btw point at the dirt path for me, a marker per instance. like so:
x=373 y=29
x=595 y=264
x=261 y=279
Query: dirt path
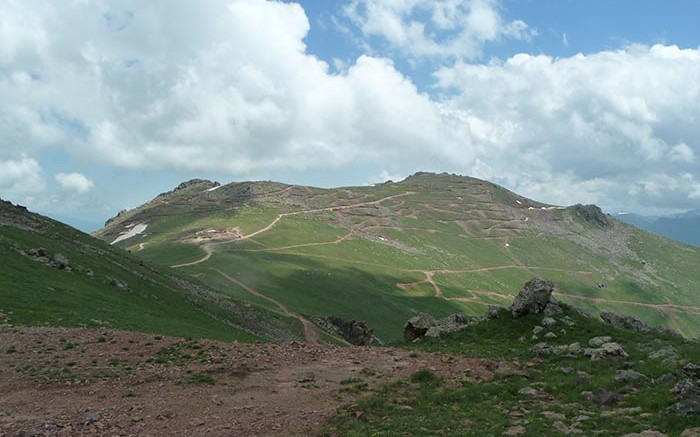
x=311 y=333
x=123 y=383
x=209 y=250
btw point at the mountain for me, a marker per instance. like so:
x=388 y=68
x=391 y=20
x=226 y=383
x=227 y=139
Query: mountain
x=683 y=227
x=436 y=243
x=55 y=275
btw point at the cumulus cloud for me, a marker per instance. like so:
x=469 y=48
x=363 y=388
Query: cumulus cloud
x=228 y=86
x=74 y=182
x=612 y=124
x=20 y=178
x=453 y=29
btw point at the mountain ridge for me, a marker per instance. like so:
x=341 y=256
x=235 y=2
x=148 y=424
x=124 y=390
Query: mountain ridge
x=443 y=241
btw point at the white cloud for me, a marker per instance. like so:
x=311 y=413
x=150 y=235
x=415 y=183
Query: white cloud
x=385 y=176
x=20 y=178
x=228 y=87
x=74 y=182
x=586 y=127
x=455 y=29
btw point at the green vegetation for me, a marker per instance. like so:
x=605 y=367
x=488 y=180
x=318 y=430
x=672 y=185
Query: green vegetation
x=534 y=394
x=365 y=252
x=97 y=285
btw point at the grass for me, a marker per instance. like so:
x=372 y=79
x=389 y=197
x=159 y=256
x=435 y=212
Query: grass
x=447 y=223
x=422 y=406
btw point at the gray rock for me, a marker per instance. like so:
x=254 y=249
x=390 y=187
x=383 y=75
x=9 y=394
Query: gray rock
x=691 y=432
x=574 y=348
x=604 y=397
x=647 y=433
x=607 y=350
x=548 y=321
x=624 y=322
x=566 y=370
x=533 y=298
x=92 y=417
x=307 y=377
x=685 y=408
x=629 y=375
x=417 y=326
x=687 y=388
x=592 y=214
x=537 y=329
x=425 y=325
x=354 y=331
x=550 y=335
x=541 y=349
x=692 y=369
x=599 y=341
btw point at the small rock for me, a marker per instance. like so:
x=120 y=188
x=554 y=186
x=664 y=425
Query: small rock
x=548 y=321
x=629 y=375
x=566 y=370
x=537 y=329
x=692 y=369
x=551 y=415
x=550 y=335
x=529 y=391
x=92 y=417
x=514 y=430
x=307 y=377
x=605 y=397
x=599 y=341
x=685 y=408
x=691 y=432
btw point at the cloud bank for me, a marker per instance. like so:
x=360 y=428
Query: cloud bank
x=230 y=87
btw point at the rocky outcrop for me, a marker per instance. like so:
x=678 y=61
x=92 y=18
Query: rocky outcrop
x=192 y=182
x=534 y=298
x=425 y=325
x=592 y=214
x=353 y=331
x=631 y=324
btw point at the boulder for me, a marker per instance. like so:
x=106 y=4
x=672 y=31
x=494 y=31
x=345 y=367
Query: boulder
x=425 y=325
x=692 y=369
x=534 y=298
x=417 y=326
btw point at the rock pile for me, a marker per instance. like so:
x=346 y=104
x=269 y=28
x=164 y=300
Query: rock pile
x=354 y=331
x=631 y=324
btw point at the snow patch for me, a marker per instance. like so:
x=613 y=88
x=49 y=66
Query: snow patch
x=214 y=188
x=134 y=231
x=519 y=202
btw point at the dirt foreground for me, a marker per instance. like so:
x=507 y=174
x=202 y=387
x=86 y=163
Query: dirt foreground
x=64 y=382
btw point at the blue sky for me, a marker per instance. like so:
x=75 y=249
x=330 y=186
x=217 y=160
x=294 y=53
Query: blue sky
x=108 y=103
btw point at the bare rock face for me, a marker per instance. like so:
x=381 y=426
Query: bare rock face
x=592 y=214
x=534 y=298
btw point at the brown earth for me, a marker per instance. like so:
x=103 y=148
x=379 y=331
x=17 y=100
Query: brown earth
x=65 y=382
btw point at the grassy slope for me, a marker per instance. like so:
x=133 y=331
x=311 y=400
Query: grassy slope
x=478 y=241
x=33 y=293
x=423 y=406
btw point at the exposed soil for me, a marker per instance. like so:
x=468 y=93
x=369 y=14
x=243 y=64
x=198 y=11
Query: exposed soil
x=64 y=382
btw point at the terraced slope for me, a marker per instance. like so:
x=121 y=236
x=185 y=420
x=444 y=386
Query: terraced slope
x=52 y=274
x=434 y=242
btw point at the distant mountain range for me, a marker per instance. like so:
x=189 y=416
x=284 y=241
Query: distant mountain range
x=683 y=227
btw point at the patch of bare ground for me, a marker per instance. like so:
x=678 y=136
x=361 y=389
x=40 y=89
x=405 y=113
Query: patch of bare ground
x=66 y=382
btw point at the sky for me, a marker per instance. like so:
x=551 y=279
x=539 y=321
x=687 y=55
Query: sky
x=106 y=104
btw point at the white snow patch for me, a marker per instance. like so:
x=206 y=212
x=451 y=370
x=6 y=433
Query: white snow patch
x=507 y=245
x=214 y=188
x=623 y=213
x=519 y=202
x=135 y=230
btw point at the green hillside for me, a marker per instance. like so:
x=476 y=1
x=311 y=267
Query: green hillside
x=55 y=275
x=437 y=243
